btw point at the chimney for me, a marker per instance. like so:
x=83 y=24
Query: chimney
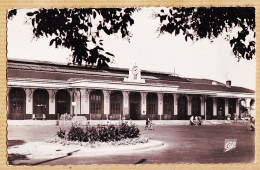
x=228 y=83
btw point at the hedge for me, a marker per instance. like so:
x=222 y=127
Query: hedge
x=101 y=133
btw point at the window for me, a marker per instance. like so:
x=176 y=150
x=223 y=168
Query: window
x=116 y=103
x=40 y=102
x=168 y=104
x=17 y=101
x=152 y=103
x=96 y=100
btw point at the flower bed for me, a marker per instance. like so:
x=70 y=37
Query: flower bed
x=101 y=133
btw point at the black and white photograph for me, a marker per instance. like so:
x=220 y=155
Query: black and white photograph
x=141 y=85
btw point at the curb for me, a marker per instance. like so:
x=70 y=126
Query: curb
x=96 y=122
x=113 y=150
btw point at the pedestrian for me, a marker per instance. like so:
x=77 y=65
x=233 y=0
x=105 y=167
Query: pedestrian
x=199 y=120
x=252 y=124
x=147 y=123
x=196 y=120
x=192 y=121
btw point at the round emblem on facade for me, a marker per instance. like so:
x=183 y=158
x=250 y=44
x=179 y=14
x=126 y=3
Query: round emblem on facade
x=135 y=70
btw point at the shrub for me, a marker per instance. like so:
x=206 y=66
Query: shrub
x=61 y=133
x=101 y=133
x=75 y=134
x=127 y=131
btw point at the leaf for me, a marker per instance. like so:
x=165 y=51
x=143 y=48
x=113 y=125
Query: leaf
x=93 y=40
x=52 y=41
x=33 y=21
x=65 y=26
x=94 y=14
x=30 y=14
x=11 y=13
x=108 y=53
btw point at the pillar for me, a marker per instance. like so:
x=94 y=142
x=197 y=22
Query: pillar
x=106 y=102
x=125 y=103
x=29 y=101
x=143 y=103
x=71 y=100
x=76 y=95
x=189 y=105
x=237 y=106
x=175 y=97
x=226 y=107
x=202 y=106
x=85 y=101
x=214 y=107
x=247 y=102
x=7 y=102
x=52 y=102
x=160 y=104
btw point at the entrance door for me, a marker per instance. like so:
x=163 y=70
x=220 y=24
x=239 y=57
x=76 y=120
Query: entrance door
x=209 y=108
x=62 y=107
x=195 y=106
x=62 y=102
x=135 y=105
x=182 y=108
x=40 y=103
x=17 y=104
x=221 y=108
x=134 y=113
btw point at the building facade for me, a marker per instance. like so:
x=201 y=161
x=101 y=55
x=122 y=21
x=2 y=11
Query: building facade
x=47 y=90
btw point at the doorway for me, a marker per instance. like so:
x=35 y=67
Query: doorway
x=135 y=105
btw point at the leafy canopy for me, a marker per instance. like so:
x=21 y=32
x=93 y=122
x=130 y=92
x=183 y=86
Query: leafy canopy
x=199 y=23
x=79 y=29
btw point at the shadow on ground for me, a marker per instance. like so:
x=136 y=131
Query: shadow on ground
x=14 y=142
x=141 y=161
x=12 y=157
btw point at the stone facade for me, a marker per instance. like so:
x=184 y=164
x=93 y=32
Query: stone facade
x=80 y=102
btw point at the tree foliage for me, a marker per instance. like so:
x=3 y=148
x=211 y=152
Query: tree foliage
x=11 y=13
x=80 y=29
x=199 y=23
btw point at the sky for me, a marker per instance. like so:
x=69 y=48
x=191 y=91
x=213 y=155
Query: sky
x=164 y=53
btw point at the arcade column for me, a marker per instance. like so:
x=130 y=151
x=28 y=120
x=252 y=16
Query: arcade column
x=106 y=102
x=125 y=103
x=175 y=97
x=189 y=105
x=85 y=101
x=29 y=101
x=143 y=103
x=160 y=105
x=52 y=94
x=214 y=107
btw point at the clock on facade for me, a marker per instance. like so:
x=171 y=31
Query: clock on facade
x=135 y=71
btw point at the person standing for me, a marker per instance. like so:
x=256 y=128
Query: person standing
x=196 y=120
x=147 y=123
x=192 y=121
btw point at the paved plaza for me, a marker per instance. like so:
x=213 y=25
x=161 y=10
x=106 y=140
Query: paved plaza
x=183 y=144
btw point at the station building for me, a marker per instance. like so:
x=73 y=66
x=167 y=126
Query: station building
x=48 y=90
